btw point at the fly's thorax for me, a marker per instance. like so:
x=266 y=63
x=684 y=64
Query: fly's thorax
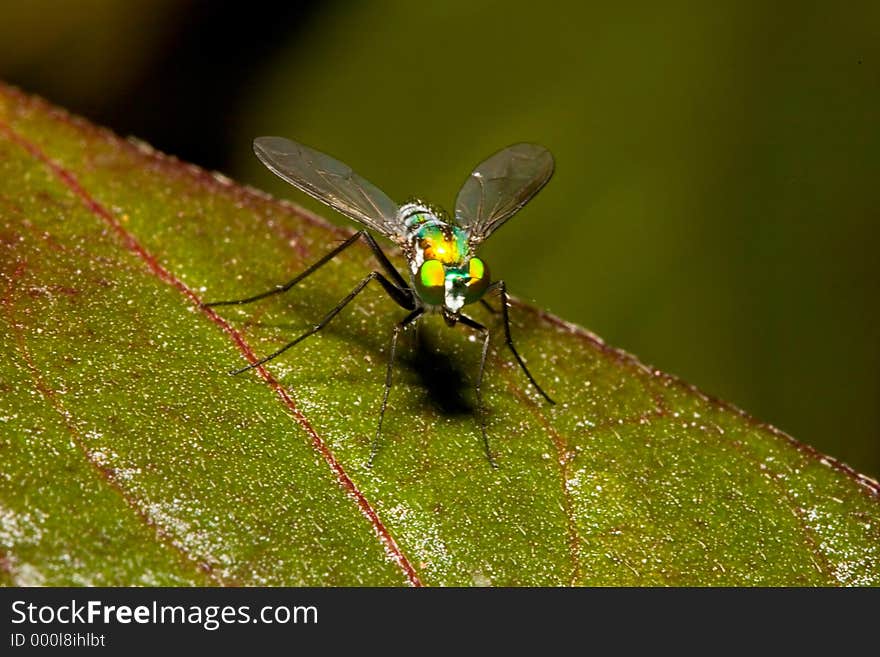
x=429 y=235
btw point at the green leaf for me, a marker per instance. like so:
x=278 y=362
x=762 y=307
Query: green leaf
x=129 y=456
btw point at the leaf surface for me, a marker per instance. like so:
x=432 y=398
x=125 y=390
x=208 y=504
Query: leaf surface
x=129 y=456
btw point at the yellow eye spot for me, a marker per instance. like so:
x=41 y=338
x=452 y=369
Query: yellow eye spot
x=478 y=282
x=431 y=273
x=476 y=270
x=431 y=282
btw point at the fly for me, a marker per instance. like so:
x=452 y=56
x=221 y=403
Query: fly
x=444 y=272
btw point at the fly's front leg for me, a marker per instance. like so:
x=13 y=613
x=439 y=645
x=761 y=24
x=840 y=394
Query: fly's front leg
x=502 y=289
x=402 y=325
x=481 y=410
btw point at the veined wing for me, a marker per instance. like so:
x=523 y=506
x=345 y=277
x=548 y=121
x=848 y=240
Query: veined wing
x=331 y=182
x=500 y=186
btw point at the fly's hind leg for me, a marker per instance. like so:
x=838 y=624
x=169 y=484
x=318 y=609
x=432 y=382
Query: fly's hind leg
x=389 y=269
x=488 y=306
x=404 y=298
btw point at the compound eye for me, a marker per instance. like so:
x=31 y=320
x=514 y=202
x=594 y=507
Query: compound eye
x=431 y=282
x=478 y=275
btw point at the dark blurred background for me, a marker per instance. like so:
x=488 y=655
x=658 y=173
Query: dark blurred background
x=715 y=206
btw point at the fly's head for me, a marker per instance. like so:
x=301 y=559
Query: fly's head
x=451 y=287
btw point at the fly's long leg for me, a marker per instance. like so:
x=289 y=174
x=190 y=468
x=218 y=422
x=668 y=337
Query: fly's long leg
x=502 y=289
x=481 y=410
x=404 y=323
x=402 y=297
x=278 y=289
x=488 y=306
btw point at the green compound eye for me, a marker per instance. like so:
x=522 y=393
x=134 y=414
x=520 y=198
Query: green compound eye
x=479 y=280
x=430 y=282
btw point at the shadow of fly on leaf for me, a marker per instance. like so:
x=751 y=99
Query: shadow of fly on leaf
x=445 y=273
x=441 y=376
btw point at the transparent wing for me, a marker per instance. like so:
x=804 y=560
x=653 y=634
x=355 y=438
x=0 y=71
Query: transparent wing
x=331 y=182
x=500 y=186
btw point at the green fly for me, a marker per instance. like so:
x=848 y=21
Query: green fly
x=444 y=272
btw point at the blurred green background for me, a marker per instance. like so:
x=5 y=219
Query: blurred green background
x=715 y=206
